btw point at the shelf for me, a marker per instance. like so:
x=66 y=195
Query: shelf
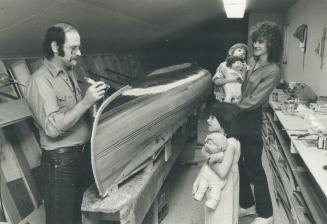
x=296 y=178
x=314 y=201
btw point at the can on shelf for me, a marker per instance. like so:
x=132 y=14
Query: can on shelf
x=274 y=97
x=321 y=141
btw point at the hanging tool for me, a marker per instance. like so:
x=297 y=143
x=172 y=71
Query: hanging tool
x=322 y=48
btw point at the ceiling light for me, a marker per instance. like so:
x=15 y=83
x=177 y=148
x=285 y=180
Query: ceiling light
x=234 y=8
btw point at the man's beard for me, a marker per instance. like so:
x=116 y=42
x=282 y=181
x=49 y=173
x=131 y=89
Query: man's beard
x=72 y=62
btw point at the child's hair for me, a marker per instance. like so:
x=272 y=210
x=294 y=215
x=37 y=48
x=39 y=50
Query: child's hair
x=231 y=59
x=227 y=116
x=237 y=45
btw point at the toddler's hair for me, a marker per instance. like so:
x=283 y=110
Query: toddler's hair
x=238 y=45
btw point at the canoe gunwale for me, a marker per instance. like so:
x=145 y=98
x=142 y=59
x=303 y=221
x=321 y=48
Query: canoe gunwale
x=94 y=128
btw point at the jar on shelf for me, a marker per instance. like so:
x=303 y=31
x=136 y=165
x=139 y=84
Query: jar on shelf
x=321 y=140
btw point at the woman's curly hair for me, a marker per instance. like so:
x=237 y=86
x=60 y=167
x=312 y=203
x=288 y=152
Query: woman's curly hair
x=272 y=33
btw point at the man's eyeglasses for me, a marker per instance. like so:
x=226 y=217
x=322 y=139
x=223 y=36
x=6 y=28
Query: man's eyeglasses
x=74 y=49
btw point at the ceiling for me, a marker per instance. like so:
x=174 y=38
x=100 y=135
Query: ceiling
x=109 y=24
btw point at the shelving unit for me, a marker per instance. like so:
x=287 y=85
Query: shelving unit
x=298 y=176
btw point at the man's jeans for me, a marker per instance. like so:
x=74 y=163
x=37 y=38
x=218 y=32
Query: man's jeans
x=68 y=173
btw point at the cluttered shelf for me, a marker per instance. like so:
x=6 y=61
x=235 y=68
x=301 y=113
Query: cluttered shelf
x=296 y=128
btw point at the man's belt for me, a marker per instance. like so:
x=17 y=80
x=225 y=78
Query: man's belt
x=75 y=148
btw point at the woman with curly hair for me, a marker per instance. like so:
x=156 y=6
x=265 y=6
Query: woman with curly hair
x=263 y=76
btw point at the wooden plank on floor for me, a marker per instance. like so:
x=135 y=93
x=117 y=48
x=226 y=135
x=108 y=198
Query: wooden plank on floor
x=8 y=201
x=2 y=212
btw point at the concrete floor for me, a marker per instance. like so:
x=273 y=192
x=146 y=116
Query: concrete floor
x=183 y=209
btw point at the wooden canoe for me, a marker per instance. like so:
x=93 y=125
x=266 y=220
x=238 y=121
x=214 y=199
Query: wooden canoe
x=132 y=121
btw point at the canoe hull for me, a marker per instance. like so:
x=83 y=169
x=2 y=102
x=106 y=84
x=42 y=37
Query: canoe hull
x=122 y=138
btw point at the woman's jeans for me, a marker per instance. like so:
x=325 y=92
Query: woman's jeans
x=68 y=173
x=250 y=165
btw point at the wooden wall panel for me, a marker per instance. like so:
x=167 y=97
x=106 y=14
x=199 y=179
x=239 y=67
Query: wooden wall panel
x=21 y=73
x=34 y=64
x=7 y=92
x=13 y=111
x=19 y=200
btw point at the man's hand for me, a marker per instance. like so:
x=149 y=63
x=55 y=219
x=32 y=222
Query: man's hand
x=94 y=93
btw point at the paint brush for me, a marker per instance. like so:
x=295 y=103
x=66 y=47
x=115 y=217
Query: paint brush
x=91 y=81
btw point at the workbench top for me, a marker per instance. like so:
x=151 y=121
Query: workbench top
x=315 y=159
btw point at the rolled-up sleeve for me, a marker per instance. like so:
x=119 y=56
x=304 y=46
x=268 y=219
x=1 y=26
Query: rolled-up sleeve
x=262 y=91
x=42 y=101
x=221 y=70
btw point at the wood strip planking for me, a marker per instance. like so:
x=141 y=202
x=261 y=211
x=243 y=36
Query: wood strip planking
x=140 y=127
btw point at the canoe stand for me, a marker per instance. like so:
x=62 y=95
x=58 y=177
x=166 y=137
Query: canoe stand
x=136 y=196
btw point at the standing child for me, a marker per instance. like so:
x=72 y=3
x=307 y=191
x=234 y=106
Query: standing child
x=220 y=78
x=223 y=119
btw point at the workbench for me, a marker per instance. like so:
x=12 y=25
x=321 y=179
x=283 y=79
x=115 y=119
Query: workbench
x=300 y=180
x=133 y=199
